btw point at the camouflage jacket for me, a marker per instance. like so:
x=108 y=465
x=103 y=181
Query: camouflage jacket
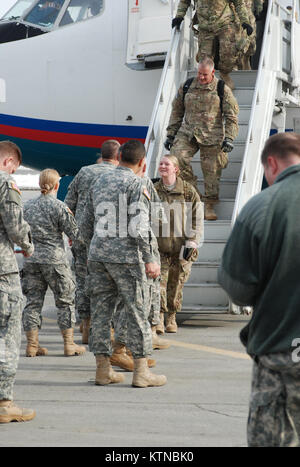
x=213 y=15
x=79 y=188
x=184 y=211
x=49 y=219
x=156 y=213
x=116 y=220
x=13 y=228
x=198 y=114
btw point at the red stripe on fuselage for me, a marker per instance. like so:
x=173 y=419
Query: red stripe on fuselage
x=88 y=141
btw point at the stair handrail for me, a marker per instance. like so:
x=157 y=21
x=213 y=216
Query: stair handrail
x=273 y=75
x=174 y=72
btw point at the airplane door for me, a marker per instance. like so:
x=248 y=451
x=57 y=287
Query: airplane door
x=149 y=28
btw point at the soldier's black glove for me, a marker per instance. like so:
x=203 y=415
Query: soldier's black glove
x=248 y=28
x=227 y=145
x=176 y=22
x=169 y=142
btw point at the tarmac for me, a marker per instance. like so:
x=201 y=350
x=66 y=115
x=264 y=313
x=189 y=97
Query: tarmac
x=204 y=403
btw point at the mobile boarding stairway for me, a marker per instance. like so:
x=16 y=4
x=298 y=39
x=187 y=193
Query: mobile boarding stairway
x=265 y=97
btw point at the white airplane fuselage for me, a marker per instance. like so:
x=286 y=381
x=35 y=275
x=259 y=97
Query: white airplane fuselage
x=70 y=89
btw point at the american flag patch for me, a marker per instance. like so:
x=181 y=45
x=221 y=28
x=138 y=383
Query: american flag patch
x=147 y=194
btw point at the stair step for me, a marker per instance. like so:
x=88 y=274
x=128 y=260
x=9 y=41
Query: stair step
x=244 y=96
x=243 y=131
x=244 y=114
x=224 y=208
x=203 y=272
x=211 y=250
x=228 y=187
x=216 y=230
x=204 y=295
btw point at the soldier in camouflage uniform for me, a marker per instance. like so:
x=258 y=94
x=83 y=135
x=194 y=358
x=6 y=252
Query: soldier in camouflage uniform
x=216 y=20
x=197 y=122
x=76 y=198
x=120 y=355
x=13 y=230
x=120 y=259
x=49 y=219
x=178 y=247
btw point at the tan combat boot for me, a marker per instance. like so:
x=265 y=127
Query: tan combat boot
x=70 y=348
x=209 y=212
x=227 y=79
x=33 y=349
x=142 y=376
x=151 y=362
x=120 y=357
x=104 y=373
x=160 y=328
x=11 y=413
x=86 y=330
x=157 y=342
x=171 y=325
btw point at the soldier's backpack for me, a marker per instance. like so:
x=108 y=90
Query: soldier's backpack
x=220 y=90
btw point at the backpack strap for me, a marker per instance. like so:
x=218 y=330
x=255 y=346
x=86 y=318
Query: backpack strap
x=186 y=86
x=220 y=89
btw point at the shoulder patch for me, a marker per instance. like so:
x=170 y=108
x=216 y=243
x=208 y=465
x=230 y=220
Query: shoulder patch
x=13 y=186
x=147 y=194
x=70 y=212
x=14 y=194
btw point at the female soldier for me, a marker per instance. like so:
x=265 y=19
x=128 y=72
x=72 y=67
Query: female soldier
x=178 y=246
x=49 y=218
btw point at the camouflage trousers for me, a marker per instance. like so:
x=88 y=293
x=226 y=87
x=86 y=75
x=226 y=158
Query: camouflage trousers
x=229 y=47
x=250 y=47
x=11 y=304
x=120 y=315
x=107 y=283
x=212 y=161
x=274 y=415
x=174 y=273
x=82 y=301
x=35 y=281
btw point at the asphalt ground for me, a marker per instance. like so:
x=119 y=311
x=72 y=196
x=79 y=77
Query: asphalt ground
x=204 y=403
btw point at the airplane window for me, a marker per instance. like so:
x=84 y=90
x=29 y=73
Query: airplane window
x=45 y=13
x=18 y=9
x=80 y=10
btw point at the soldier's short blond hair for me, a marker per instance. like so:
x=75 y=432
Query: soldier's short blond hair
x=174 y=161
x=48 y=180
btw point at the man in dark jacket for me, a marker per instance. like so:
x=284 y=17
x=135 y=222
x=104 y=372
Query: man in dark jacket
x=261 y=267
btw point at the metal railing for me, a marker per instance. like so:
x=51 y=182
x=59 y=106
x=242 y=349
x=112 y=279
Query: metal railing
x=180 y=53
x=270 y=72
